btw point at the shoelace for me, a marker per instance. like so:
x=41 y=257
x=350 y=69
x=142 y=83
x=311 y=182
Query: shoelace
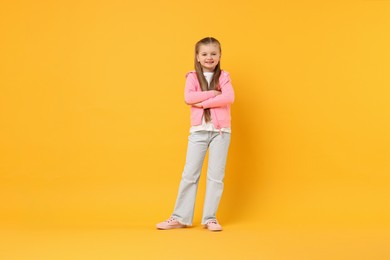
x=170 y=219
x=212 y=222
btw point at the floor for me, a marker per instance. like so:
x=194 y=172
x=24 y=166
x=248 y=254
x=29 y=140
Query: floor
x=237 y=241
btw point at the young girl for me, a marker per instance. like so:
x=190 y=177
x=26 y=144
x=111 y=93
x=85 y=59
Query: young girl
x=209 y=93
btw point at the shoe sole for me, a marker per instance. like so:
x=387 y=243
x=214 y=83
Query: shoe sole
x=213 y=230
x=168 y=228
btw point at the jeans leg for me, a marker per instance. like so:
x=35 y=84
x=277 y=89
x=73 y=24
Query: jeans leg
x=218 y=151
x=185 y=202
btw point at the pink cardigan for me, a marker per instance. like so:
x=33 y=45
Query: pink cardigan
x=219 y=105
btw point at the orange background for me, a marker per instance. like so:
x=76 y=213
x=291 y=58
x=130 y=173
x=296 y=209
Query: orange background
x=93 y=126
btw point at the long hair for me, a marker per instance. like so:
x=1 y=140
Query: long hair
x=214 y=83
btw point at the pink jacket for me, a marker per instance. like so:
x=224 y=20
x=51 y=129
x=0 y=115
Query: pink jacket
x=219 y=105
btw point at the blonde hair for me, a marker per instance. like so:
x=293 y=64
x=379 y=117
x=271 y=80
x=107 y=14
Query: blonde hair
x=214 y=83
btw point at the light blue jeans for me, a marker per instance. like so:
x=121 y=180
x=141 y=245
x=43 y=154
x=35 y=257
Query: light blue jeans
x=198 y=143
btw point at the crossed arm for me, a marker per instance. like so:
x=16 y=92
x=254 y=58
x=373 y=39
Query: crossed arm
x=199 y=104
x=211 y=98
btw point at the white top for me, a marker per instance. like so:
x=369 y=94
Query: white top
x=209 y=125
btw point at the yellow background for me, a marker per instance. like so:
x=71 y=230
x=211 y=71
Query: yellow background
x=93 y=126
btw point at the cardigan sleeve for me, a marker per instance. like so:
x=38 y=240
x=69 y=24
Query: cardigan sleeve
x=191 y=94
x=226 y=98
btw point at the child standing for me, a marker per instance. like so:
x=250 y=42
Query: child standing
x=209 y=93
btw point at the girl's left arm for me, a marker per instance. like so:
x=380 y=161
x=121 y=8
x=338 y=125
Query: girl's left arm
x=226 y=98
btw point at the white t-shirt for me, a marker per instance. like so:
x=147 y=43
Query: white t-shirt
x=209 y=125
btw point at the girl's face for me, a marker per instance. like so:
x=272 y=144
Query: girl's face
x=208 y=56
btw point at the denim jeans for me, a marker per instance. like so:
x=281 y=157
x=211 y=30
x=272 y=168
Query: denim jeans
x=198 y=143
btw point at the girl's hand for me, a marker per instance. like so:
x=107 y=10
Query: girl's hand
x=198 y=105
x=216 y=92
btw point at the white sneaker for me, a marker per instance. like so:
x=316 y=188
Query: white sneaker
x=213 y=225
x=171 y=223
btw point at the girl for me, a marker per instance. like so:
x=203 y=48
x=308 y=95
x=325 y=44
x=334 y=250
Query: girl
x=209 y=93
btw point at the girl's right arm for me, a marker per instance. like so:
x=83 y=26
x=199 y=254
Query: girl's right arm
x=192 y=96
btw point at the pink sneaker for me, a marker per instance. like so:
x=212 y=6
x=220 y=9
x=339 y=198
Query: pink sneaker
x=213 y=225
x=171 y=223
